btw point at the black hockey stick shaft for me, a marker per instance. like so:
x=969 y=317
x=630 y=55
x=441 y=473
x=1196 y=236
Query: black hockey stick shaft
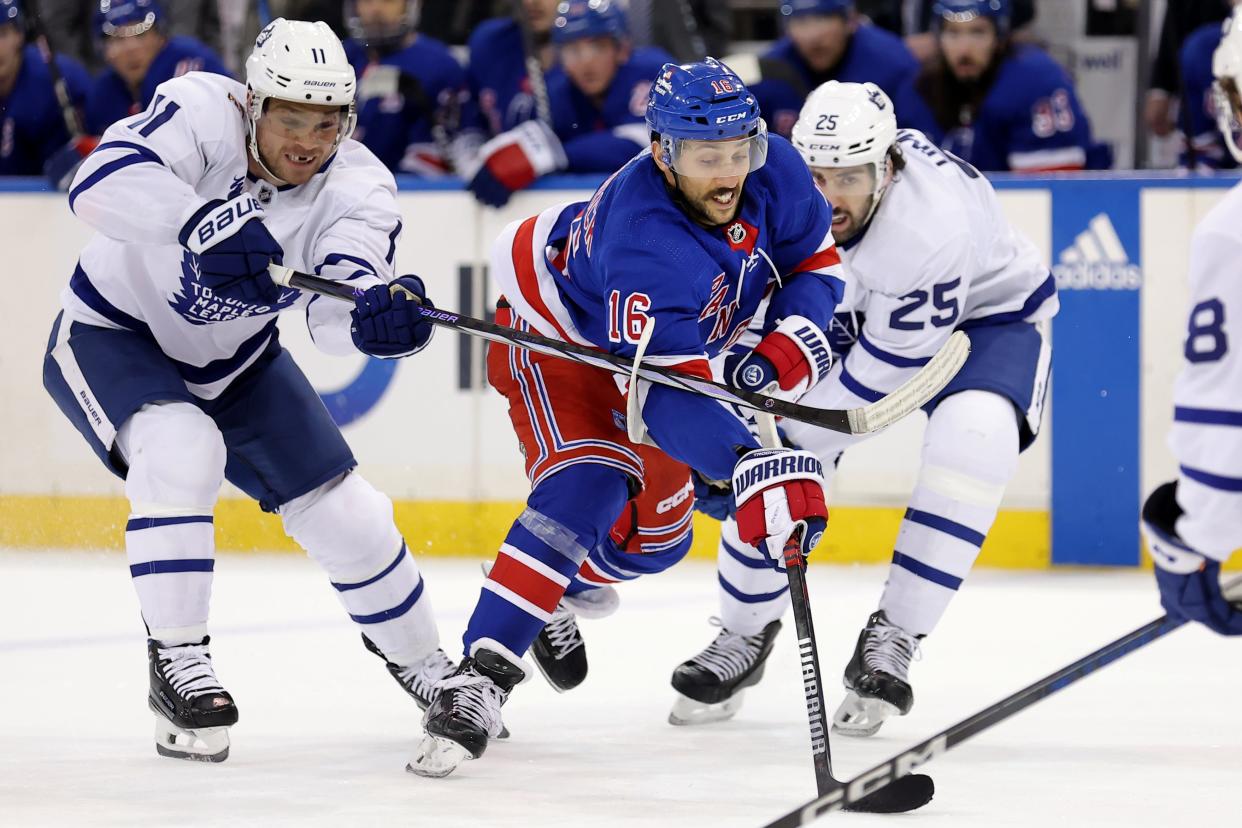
x=534 y=66
x=69 y=112
x=875 y=778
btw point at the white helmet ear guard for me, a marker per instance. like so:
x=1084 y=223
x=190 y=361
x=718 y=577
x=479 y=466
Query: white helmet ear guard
x=847 y=125
x=299 y=62
x=1227 y=90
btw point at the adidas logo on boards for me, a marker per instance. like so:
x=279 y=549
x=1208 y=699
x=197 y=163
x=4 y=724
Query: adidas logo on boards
x=1097 y=261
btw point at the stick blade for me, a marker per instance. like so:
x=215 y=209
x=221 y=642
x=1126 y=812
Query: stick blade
x=905 y=793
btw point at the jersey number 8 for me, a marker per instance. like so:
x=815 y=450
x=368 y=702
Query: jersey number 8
x=1205 y=338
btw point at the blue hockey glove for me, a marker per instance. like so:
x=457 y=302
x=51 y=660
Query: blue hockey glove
x=234 y=250
x=386 y=321
x=1189 y=583
x=713 y=498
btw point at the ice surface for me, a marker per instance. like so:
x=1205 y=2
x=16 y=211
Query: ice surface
x=1153 y=740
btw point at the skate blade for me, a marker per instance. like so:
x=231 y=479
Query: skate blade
x=437 y=757
x=205 y=744
x=687 y=712
x=860 y=717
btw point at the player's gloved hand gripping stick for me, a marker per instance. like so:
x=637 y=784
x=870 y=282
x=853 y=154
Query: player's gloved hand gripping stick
x=916 y=392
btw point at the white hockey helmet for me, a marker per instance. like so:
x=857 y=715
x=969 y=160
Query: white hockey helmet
x=848 y=125
x=1227 y=90
x=300 y=62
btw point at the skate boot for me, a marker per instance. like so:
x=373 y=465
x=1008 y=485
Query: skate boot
x=711 y=684
x=419 y=680
x=559 y=651
x=193 y=712
x=466 y=714
x=877 y=678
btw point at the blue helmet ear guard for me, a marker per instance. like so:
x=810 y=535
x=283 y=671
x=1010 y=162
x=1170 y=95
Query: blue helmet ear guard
x=960 y=11
x=704 y=101
x=578 y=19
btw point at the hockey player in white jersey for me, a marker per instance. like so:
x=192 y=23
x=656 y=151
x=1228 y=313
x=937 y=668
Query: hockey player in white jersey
x=166 y=356
x=930 y=252
x=1194 y=523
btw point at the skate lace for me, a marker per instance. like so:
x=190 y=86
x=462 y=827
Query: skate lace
x=730 y=654
x=477 y=698
x=188 y=669
x=423 y=676
x=562 y=632
x=890 y=649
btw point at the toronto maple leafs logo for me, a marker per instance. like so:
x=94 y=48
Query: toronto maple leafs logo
x=199 y=305
x=877 y=98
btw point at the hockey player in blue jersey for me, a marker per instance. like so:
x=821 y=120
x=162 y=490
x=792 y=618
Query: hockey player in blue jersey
x=32 y=126
x=598 y=97
x=167 y=359
x=1193 y=523
x=1205 y=147
x=929 y=251
x=499 y=82
x=825 y=40
x=412 y=94
x=672 y=256
x=140 y=57
x=996 y=104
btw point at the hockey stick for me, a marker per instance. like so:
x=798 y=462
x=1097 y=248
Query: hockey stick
x=916 y=392
x=889 y=773
x=69 y=112
x=905 y=793
x=534 y=68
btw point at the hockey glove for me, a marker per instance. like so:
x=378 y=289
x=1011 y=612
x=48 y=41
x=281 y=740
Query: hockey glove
x=61 y=166
x=785 y=364
x=1189 y=583
x=386 y=322
x=779 y=494
x=713 y=498
x=234 y=249
x=514 y=159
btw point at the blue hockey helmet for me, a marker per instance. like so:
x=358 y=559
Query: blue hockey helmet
x=796 y=8
x=578 y=19
x=11 y=14
x=706 y=101
x=127 y=18
x=960 y=11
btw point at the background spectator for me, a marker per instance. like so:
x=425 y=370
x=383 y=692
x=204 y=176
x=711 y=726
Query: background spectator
x=69 y=28
x=687 y=29
x=32 y=126
x=412 y=93
x=826 y=40
x=497 y=69
x=140 y=56
x=1204 y=146
x=1181 y=17
x=996 y=104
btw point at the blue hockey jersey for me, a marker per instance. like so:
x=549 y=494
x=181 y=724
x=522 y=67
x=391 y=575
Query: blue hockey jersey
x=110 y=100
x=602 y=138
x=1209 y=152
x=33 y=127
x=497 y=75
x=597 y=273
x=873 y=54
x=411 y=104
x=1029 y=121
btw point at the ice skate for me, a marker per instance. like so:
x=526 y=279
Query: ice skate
x=711 y=685
x=559 y=651
x=877 y=678
x=418 y=680
x=193 y=712
x=466 y=713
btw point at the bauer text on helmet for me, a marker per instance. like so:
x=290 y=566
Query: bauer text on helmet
x=845 y=133
x=300 y=99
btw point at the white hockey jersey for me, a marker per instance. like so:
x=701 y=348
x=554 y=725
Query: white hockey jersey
x=938 y=253
x=1206 y=437
x=153 y=170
